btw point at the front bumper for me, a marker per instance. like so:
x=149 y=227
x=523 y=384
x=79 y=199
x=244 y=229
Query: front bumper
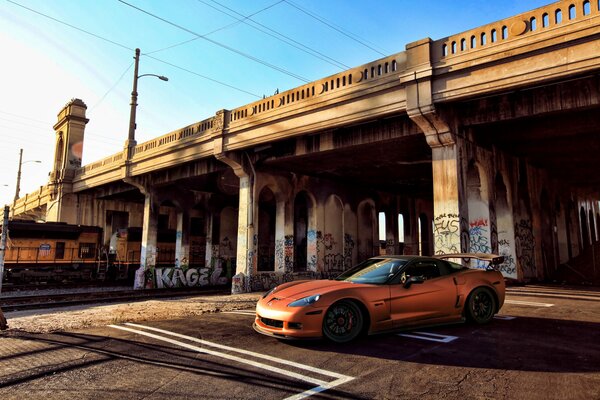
x=288 y=322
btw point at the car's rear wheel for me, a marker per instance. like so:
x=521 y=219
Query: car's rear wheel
x=343 y=322
x=481 y=306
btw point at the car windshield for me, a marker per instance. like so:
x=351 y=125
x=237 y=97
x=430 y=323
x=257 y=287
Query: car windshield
x=374 y=271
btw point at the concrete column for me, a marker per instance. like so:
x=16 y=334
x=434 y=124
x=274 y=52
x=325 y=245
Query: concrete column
x=182 y=239
x=282 y=248
x=246 y=240
x=450 y=226
x=149 y=239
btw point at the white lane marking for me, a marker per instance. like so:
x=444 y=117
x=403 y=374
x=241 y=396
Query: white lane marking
x=322 y=385
x=504 y=317
x=432 y=337
x=241 y=312
x=528 y=303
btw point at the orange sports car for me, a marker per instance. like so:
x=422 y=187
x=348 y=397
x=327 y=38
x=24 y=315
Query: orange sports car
x=382 y=294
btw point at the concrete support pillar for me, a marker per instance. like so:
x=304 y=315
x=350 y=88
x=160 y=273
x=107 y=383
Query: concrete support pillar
x=182 y=239
x=149 y=239
x=282 y=247
x=246 y=239
x=450 y=226
x=208 y=257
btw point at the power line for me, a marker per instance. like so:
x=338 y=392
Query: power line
x=333 y=26
x=224 y=46
x=278 y=35
x=211 y=32
x=111 y=89
x=128 y=48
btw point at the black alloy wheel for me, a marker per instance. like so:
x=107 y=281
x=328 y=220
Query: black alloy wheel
x=343 y=322
x=481 y=306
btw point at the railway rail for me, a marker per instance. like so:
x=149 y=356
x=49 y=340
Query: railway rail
x=49 y=300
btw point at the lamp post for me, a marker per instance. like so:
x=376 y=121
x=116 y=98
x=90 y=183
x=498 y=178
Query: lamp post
x=130 y=143
x=21 y=162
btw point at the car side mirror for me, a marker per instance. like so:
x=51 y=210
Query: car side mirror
x=413 y=279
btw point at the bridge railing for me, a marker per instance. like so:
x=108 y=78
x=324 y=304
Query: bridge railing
x=189 y=132
x=543 y=18
x=385 y=68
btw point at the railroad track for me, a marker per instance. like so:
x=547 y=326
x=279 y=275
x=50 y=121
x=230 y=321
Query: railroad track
x=43 y=301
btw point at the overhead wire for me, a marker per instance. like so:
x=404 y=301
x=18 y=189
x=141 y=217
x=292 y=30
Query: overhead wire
x=211 y=32
x=333 y=26
x=131 y=49
x=278 y=35
x=219 y=44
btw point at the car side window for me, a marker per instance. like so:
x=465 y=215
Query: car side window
x=425 y=269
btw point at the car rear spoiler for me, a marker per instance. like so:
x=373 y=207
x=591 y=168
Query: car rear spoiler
x=493 y=259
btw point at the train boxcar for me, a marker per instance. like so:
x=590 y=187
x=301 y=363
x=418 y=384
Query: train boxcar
x=50 y=251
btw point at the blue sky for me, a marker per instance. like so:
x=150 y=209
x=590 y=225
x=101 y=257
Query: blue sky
x=46 y=61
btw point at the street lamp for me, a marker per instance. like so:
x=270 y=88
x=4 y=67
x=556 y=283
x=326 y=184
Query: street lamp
x=21 y=162
x=131 y=137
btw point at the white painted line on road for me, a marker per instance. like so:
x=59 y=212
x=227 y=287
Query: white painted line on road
x=322 y=385
x=504 y=317
x=528 y=303
x=432 y=337
x=241 y=312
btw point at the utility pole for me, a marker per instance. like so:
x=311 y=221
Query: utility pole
x=3 y=324
x=19 y=176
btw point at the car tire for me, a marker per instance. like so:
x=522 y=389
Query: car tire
x=481 y=306
x=343 y=322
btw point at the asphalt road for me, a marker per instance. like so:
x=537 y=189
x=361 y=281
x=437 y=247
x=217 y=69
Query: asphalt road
x=545 y=344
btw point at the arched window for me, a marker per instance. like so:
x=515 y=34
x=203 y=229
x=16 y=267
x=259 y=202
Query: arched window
x=473 y=42
x=494 y=36
x=572 y=11
x=463 y=44
x=545 y=20
x=453 y=47
x=394 y=66
x=483 y=39
x=400 y=228
x=444 y=50
x=504 y=32
x=558 y=16
x=533 y=24
x=586 y=7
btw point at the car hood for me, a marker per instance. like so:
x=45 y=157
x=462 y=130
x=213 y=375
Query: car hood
x=309 y=288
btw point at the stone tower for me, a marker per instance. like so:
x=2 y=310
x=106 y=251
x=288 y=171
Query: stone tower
x=67 y=159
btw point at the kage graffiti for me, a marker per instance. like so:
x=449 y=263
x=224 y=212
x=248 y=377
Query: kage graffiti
x=181 y=277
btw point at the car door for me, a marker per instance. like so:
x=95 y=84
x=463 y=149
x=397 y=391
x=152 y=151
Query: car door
x=433 y=299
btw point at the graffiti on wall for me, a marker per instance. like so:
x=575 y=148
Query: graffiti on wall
x=478 y=240
x=288 y=253
x=348 y=250
x=446 y=229
x=508 y=266
x=525 y=245
x=311 y=245
x=188 y=277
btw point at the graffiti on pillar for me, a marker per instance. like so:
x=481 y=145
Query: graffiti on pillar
x=189 y=277
x=279 y=253
x=328 y=241
x=508 y=266
x=525 y=245
x=311 y=248
x=390 y=246
x=289 y=253
x=493 y=230
x=446 y=229
x=478 y=240
x=348 y=250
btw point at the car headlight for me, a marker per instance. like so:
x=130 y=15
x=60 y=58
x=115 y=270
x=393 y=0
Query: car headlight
x=269 y=292
x=306 y=301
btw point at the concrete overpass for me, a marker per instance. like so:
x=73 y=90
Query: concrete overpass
x=486 y=140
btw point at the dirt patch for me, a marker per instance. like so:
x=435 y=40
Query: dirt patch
x=77 y=317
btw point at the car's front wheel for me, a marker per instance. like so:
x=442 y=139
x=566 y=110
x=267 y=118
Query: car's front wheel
x=481 y=306
x=343 y=322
